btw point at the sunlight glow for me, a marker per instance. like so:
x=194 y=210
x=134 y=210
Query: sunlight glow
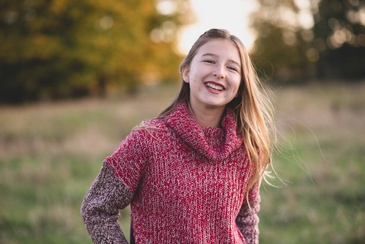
x=232 y=15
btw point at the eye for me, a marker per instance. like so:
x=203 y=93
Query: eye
x=209 y=61
x=233 y=68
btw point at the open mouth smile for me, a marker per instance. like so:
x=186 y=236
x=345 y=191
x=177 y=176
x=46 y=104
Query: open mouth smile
x=216 y=87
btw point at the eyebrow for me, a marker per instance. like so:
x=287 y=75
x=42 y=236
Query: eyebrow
x=214 y=55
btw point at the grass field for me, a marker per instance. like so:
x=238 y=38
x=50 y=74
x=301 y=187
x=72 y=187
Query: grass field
x=51 y=153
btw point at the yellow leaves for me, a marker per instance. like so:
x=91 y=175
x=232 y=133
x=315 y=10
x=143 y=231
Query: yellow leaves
x=81 y=41
x=58 y=6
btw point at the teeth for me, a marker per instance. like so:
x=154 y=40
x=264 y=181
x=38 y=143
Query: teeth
x=215 y=87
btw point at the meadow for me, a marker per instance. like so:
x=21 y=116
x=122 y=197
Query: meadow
x=50 y=153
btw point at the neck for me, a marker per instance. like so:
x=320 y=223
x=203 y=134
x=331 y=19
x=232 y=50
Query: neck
x=207 y=117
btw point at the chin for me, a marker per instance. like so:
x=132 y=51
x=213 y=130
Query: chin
x=215 y=105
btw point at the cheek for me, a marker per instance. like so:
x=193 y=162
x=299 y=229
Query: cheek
x=191 y=76
x=236 y=84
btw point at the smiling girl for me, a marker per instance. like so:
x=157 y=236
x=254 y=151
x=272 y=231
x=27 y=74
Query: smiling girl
x=191 y=175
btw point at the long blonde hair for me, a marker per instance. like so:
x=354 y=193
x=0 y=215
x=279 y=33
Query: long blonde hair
x=252 y=107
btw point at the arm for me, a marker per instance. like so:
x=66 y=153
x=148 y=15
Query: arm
x=247 y=219
x=100 y=208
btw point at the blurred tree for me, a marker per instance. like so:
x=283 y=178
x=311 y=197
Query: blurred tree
x=323 y=38
x=339 y=31
x=61 y=48
x=280 y=46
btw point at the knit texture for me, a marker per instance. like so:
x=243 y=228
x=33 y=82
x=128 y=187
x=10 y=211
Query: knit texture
x=100 y=208
x=185 y=184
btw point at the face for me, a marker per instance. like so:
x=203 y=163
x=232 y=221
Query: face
x=214 y=75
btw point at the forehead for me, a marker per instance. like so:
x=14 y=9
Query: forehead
x=221 y=48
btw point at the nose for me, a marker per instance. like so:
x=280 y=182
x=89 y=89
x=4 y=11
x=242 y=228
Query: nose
x=219 y=72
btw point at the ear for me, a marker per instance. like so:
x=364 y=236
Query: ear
x=185 y=74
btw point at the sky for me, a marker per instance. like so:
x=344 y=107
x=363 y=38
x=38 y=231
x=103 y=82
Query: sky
x=232 y=15
x=228 y=14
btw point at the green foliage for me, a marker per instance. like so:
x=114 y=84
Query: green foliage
x=61 y=48
x=51 y=153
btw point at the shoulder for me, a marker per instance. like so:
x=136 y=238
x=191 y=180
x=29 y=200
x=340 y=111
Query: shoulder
x=155 y=124
x=150 y=128
x=139 y=140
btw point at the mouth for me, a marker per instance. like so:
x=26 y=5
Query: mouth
x=215 y=86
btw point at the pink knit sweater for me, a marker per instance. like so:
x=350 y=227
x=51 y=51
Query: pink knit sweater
x=185 y=184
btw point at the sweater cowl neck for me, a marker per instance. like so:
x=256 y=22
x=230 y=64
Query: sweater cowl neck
x=212 y=143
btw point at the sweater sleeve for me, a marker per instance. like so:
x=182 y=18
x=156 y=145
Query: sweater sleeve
x=129 y=160
x=247 y=219
x=114 y=189
x=100 y=208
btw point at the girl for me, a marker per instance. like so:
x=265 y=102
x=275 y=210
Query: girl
x=191 y=175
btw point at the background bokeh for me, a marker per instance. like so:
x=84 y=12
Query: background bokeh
x=76 y=77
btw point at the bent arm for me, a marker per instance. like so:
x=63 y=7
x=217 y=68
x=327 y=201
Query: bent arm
x=101 y=205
